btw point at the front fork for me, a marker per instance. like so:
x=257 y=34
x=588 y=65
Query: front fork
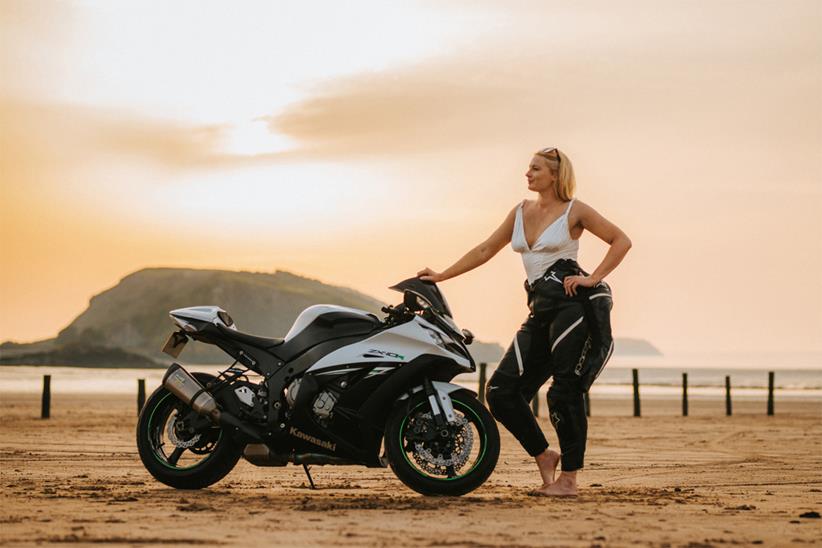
x=439 y=398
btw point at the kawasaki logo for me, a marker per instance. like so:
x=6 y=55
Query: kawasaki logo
x=311 y=439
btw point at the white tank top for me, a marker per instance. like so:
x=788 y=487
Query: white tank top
x=553 y=244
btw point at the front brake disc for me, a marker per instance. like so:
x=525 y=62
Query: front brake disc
x=458 y=448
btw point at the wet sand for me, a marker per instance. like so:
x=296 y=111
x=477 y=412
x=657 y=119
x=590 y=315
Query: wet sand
x=659 y=480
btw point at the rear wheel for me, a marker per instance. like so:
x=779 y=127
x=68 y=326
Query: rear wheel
x=450 y=460
x=179 y=447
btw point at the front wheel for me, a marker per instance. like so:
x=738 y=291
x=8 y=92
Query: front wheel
x=451 y=460
x=180 y=448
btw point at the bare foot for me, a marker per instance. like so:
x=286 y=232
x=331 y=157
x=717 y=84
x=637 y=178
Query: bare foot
x=564 y=486
x=547 y=462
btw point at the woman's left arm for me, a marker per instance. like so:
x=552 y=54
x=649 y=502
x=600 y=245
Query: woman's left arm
x=608 y=232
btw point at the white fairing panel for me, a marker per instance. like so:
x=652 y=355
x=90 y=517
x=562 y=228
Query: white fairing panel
x=310 y=314
x=402 y=344
x=201 y=313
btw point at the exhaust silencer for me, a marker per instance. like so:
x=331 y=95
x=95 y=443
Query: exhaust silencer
x=179 y=382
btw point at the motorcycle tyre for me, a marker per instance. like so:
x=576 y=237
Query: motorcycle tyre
x=429 y=486
x=208 y=472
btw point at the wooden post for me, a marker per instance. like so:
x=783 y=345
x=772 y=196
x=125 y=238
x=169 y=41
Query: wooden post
x=635 y=373
x=141 y=394
x=684 y=394
x=727 y=395
x=45 y=407
x=482 y=381
x=770 y=393
x=535 y=404
x=586 y=399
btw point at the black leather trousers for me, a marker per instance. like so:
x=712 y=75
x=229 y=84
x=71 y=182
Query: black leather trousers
x=552 y=342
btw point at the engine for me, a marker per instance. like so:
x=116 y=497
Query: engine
x=322 y=405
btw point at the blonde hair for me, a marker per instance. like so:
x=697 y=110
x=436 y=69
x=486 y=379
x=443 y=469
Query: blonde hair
x=566 y=182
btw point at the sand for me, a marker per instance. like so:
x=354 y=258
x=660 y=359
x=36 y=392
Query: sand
x=659 y=480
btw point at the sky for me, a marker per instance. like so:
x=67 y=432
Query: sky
x=358 y=143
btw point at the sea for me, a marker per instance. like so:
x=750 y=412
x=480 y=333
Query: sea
x=798 y=377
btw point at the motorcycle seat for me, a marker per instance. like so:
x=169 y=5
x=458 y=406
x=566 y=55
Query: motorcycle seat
x=253 y=340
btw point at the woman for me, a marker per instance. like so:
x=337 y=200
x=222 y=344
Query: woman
x=554 y=339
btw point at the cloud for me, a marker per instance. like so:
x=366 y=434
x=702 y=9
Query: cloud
x=64 y=136
x=410 y=110
x=647 y=76
x=39 y=135
x=47 y=139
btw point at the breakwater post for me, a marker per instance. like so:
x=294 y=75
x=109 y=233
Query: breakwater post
x=481 y=391
x=141 y=394
x=727 y=395
x=45 y=404
x=635 y=373
x=770 y=393
x=684 y=394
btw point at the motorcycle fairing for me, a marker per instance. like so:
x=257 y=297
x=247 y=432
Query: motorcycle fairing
x=331 y=323
x=209 y=314
x=399 y=344
x=312 y=313
x=265 y=356
x=361 y=411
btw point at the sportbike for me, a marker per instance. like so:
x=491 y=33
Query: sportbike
x=343 y=386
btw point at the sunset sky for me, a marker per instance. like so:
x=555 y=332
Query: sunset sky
x=357 y=143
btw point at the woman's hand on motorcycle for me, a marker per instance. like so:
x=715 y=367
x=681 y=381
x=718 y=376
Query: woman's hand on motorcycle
x=571 y=283
x=428 y=275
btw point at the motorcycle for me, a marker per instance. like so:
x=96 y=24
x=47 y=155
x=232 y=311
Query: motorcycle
x=339 y=387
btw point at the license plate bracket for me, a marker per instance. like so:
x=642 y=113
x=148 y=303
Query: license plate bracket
x=175 y=343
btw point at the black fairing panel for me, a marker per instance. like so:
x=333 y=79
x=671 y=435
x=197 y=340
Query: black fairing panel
x=362 y=407
x=247 y=338
x=331 y=325
x=342 y=432
x=258 y=359
x=374 y=410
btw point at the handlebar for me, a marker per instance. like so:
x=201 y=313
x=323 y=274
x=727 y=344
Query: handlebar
x=398 y=312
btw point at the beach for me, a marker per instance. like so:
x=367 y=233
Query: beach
x=658 y=480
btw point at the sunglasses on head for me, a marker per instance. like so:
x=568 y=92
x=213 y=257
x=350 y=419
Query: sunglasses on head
x=549 y=150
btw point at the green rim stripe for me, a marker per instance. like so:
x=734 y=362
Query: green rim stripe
x=165 y=462
x=414 y=467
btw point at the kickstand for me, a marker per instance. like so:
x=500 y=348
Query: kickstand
x=308 y=473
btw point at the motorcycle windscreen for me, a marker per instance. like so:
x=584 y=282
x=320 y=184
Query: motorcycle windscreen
x=428 y=291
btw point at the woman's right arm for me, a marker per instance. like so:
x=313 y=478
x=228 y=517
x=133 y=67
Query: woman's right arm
x=481 y=254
